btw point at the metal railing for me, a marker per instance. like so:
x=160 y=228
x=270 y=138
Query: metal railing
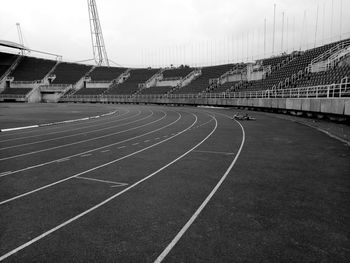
x=54 y=87
x=12 y=96
x=340 y=90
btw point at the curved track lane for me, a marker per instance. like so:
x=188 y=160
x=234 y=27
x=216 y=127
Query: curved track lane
x=172 y=190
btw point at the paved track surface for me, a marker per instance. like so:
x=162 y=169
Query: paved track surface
x=176 y=185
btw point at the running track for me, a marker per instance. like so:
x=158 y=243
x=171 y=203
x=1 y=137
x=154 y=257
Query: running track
x=159 y=183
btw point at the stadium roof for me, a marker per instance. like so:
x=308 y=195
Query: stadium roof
x=11 y=44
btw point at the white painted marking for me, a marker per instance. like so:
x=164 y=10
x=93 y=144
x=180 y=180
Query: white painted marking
x=136 y=143
x=146 y=141
x=97 y=167
x=19 y=128
x=63 y=160
x=157 y=138
x=5 y=173
x=85 y=155
x=104 y=151
x=52 y=123
x=108 y=145
x=202 y=206
x=121 y=147
x=215 y=152
x=118 y=185
x=73 y=143
x=110 y=198
x=66 y=136
x=60 y=131
x=102 y=181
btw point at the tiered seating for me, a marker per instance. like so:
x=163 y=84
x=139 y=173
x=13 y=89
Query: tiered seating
x=293 y=67
x=156 y=90
x=106 y=73
x=331 y=76
x=202 y=82
x=130 y=86
x=224 y=87
x=177 y=72
x=273 y=61
x=69 y=73
x=90 y=91
x=6 y=61
x=32 y=69
x=16 y=91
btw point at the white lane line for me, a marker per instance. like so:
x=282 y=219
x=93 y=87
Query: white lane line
x=63 y=160
x=102 y=147
x=70 y=135
x=5 y=173
x=73 y=143
x=20 y=128
x=95 y=168
x=121 y=147
x=146 y=141
x=115 y=184
x=215 y=152
x=85 y=155
x=157 y=138
x=118 y=185
x=104 y=151
x=136 y=143
x=55 y=127
x=165 y=136
x=110 y=198
x=202 y=206
x=204 y=123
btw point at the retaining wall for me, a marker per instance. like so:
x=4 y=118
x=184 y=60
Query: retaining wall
x=338 y=106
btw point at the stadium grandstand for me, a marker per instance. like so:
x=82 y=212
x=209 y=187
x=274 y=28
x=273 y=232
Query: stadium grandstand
x=324 y=65
x=317 y=67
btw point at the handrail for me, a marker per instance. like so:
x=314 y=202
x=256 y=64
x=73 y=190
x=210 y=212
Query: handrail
x=322 y=91
x=340 y=45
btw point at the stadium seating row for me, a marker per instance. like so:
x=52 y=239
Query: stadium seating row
x=35 y=69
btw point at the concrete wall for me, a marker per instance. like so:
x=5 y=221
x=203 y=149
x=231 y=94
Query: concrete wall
x=104 y=85
x=172 y=83
x=50 y=97
x=34 y=96
x=337 y=106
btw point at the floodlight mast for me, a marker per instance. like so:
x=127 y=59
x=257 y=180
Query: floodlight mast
x=20 y=36
x=98 y=45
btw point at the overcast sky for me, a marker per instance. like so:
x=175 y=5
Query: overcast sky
x=160 y=32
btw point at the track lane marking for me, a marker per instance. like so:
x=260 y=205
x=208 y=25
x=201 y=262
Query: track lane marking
x=54 y=126
x=99 y=148
x=73 y=143
x=188 y=224
x=71 y=135
x=34 y=240
x=86 y=155
x=215 y=152
x=96 y=167
x=63 y=160
x=116 y=184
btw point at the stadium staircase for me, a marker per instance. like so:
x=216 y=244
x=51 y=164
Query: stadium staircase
x=136 y=80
